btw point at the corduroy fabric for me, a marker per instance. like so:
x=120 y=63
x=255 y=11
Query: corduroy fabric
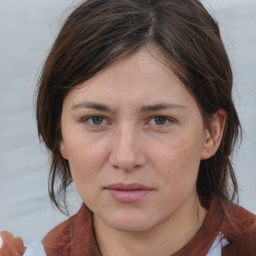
x=73 y=237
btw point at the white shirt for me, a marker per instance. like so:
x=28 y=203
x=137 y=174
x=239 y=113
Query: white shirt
x=35 y=250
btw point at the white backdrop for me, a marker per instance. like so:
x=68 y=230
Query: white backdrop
x=27 y=30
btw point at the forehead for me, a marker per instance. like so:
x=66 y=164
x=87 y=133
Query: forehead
x=138 y=78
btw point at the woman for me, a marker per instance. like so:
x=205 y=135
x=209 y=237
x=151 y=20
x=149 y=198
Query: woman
x=135 y=106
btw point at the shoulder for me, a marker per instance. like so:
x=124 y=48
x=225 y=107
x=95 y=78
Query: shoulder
x=239 y=226
x=59 y=240
x=238 y=219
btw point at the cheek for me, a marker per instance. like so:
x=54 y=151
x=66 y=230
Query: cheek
x=86 y=157
x=83 y=147
x=181 y=153
x=179 y=164
x=85 y=168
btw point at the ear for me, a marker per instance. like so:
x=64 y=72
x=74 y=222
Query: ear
x=63 y=151
x=214 y=134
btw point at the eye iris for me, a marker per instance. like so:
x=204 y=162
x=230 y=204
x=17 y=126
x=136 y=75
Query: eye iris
x=97 y=120
x=160 y=120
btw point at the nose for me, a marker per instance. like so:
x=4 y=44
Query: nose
x=127 y=150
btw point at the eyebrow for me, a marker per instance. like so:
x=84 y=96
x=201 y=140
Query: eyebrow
x=92 y=105
x=161 y=106
x=144 y=108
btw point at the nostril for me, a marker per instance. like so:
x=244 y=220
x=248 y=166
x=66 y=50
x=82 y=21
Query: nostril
x=115 y=167
x=126 y=158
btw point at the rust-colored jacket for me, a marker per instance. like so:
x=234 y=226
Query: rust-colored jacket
x=75 y=236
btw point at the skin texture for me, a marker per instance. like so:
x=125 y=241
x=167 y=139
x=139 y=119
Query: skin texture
x=147 y=129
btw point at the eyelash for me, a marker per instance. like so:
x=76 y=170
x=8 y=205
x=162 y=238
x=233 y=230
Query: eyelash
x=168 y=120
x=88 y=118
x=89 y=121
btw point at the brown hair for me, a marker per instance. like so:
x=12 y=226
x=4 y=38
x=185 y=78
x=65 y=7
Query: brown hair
x=99 y=32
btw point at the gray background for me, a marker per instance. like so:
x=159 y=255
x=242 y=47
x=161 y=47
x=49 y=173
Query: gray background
x=27 y=30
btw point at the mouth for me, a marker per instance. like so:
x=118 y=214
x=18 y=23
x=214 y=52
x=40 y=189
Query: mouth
x=128 y=193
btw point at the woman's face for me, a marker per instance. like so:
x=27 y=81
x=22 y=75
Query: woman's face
x=134 y=138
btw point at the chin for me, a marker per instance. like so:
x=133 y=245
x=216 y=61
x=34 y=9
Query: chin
x=130 y=227
x=129 y=222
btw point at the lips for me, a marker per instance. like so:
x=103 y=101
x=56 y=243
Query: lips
x=128 y=193
x=128 y=187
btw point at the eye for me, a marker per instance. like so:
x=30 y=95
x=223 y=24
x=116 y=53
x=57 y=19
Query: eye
x=160 y=120
x=95 y=120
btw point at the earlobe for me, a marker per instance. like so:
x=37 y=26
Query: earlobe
x=63 y=151
x=214 y=135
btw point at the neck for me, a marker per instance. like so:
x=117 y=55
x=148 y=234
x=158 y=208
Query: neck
x=164 y=240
